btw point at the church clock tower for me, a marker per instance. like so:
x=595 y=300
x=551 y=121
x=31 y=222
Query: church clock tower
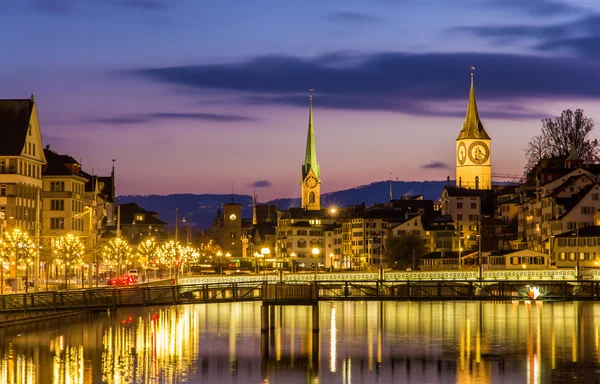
x=311 y=172
x=473 y=149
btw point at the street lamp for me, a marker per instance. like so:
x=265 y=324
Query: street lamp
x=227 y=256
x=220 y=268
x=331 y=258
x=293 y=256
x=577 y=266
x=315 y=252
x=265 y=252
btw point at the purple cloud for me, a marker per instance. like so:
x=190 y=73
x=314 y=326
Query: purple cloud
x=352 y=17
x=416 y=84
x=435 y=165
x=150 y=117
x=261 y=184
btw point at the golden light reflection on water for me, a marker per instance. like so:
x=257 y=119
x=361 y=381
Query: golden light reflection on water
x=161 y=345
x=362 y=342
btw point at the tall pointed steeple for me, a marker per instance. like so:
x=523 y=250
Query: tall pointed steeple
x=310 y=160
x=311 y=172
x=473 y=149
x=472 y=127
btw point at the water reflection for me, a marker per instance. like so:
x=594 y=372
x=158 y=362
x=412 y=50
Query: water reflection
x=358 y=342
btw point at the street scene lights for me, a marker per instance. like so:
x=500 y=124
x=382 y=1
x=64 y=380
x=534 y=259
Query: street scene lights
x=147 y=254
x=220 y=267
x=227 y=256
x=332 y=260
x=293 y=257
x=265 y=253
x=70 y=250
x=315 y=252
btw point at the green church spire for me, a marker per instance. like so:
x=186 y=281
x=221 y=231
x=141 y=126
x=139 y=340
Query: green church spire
x=472 y=127
x=310 y=161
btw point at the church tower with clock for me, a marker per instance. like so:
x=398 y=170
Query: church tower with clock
x=473 y=149
x=311 y=172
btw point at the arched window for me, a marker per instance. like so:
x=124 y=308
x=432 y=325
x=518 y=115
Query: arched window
x=476 y=182
x=311 y=197
x=460 y=182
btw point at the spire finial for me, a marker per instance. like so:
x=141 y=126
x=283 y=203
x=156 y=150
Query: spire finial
x=391 y=195
x=311 y=92
x=472 y=68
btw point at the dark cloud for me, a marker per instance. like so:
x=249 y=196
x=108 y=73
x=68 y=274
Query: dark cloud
x=150 y=117
x=584 y=46
x=51 y=6
x=261 y=184
x=435 y=165
x=392 y=81
x=536 y=7
x=580 y=36
x=65 y=6
x=147 y=5
x=352 y=17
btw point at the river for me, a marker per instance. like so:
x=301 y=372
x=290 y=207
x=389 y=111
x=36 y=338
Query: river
x=358 y=342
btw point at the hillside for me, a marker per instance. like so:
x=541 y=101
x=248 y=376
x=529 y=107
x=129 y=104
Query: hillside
x=203 y=207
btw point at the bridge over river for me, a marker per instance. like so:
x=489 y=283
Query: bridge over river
x=556 y=284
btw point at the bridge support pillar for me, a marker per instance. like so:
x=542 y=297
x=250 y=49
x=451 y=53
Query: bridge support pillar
x=264 y=318
x=272 y=317
x=264 y=345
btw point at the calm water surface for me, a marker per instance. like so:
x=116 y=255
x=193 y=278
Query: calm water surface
x=358 y=342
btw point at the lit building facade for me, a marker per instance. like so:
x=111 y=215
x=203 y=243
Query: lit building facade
x=21 y=161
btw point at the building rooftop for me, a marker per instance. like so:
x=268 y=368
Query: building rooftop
x=14 y=125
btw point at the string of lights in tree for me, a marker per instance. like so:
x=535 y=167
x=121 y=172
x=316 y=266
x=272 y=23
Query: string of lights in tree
x=148 y=252
x=117 y=251
x=70 y=250
x=18 y=245
x=173 y=254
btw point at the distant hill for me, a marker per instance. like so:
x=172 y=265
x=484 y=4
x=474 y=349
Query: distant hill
x=203 y=207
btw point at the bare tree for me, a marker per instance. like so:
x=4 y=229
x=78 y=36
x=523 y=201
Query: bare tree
x=536 y=150
x=560 y=134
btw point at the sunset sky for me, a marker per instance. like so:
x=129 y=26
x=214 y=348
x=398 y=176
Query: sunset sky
x=191 y=95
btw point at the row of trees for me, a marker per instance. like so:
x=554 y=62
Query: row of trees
x=18 y=251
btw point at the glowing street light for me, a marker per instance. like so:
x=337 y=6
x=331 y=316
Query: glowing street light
x=315 y=252
x=293 y=256
x=265 y=252
x=220 y=270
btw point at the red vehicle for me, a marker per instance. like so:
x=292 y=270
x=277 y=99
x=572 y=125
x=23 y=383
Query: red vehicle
x=123 y=280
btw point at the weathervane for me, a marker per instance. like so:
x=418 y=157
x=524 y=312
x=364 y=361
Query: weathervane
x=472 y=68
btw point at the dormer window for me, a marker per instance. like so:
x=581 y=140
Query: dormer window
x=139 y=217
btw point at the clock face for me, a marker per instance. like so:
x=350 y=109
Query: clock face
x=311 y=182
x=479 y=152
x=461 y=153
x=232 y=216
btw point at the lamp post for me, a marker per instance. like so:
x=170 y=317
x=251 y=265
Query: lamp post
x=479 y=253
x=577 y=266
x=315 y=252
x=293 y=256
x=220 y=267
x=256 y=256
x=227 y=256
x=265 y=252
x=331 y=258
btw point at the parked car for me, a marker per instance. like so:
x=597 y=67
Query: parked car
x=133 y=272
x=123 y=280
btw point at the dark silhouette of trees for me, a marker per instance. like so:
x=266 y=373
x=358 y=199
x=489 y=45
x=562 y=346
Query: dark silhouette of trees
x=404 y=251
x=558 y=137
